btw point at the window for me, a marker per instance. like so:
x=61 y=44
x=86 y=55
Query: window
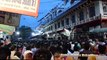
x=48 y=28
x=81 y=15
x=50 y=17
x=55 y=13
x=62 y=23
x=67 y=21
x=58 y=24
x=92 y=11
x=51 y=28
x=105 y=8
x=55 y=26
x=47 y=20
x=73 y=18
x=59 y=11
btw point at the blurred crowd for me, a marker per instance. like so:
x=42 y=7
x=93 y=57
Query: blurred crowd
x=52 y=49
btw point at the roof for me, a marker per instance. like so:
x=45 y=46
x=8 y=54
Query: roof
x=67 y=11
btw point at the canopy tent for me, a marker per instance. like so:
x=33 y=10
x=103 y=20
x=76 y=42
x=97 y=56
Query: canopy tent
x=99 y=30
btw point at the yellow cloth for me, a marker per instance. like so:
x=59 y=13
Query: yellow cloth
x=91 y=57
x=69 y=58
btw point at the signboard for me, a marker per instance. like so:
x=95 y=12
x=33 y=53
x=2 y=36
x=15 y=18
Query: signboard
x=2 y=17
x=27 y=7
x=11 y=19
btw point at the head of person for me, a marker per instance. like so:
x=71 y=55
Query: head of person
x=7 y=41
x=28 y=55
x=57 y=56
x=13 y=47
x=76 y=47
x=86 y=46
x=42 y=54
x=1 y=43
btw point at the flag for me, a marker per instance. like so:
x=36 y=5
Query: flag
x=66 y=32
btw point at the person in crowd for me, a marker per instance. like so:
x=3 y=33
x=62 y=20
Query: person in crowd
x=102 y=52
x=42 y=54
x=101 y=49
x=19 y=51
x=106 y=48
x=28 y=55
x=86 y=50
x=76 y=51
x=34 y=49
x=57 y=56
x=13 y=53
x=4 y=51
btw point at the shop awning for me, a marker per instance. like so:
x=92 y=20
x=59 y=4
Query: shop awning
x=99 y=30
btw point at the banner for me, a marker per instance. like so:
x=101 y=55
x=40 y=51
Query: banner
x=2 y=17
x=7 y=29
x=12 y=19
x=27 y=7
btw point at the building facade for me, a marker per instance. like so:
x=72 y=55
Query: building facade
x=84 y=16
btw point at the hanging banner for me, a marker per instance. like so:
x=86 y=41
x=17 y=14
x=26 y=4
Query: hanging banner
x=7 y=29
x=12 y=19
x=27 y=7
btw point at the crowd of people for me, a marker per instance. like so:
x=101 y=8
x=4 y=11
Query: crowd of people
x=52 y=49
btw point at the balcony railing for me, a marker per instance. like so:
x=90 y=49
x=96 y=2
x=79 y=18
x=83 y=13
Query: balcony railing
x=105 y=13
x=88 y=20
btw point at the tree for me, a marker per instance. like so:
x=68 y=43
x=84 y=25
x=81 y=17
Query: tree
x=25 y=32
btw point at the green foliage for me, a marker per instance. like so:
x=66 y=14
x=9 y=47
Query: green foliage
x=25 y=32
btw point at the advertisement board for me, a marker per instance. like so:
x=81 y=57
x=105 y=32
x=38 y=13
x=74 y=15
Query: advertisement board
x=12 y=19
x=27 y=7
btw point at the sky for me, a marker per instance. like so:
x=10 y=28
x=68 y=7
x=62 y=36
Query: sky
x=45 y=7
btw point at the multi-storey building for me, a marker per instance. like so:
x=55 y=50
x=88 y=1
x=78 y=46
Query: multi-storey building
x=86 y=15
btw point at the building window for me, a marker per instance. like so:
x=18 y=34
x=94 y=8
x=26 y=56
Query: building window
x=62 y=23
x=51 y=28
x=47 y=20
x=55 y=13
x=48 y=28
x=58 y=24
x=67 y=21
x=55 y=26
x=50 y=17
x=105 y=8
x=73 y=18
x=59 y=11
x=92 y=11
x=81 y=15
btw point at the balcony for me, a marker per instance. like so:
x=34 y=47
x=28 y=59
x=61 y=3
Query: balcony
x=89 y=20
x=105 y=13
